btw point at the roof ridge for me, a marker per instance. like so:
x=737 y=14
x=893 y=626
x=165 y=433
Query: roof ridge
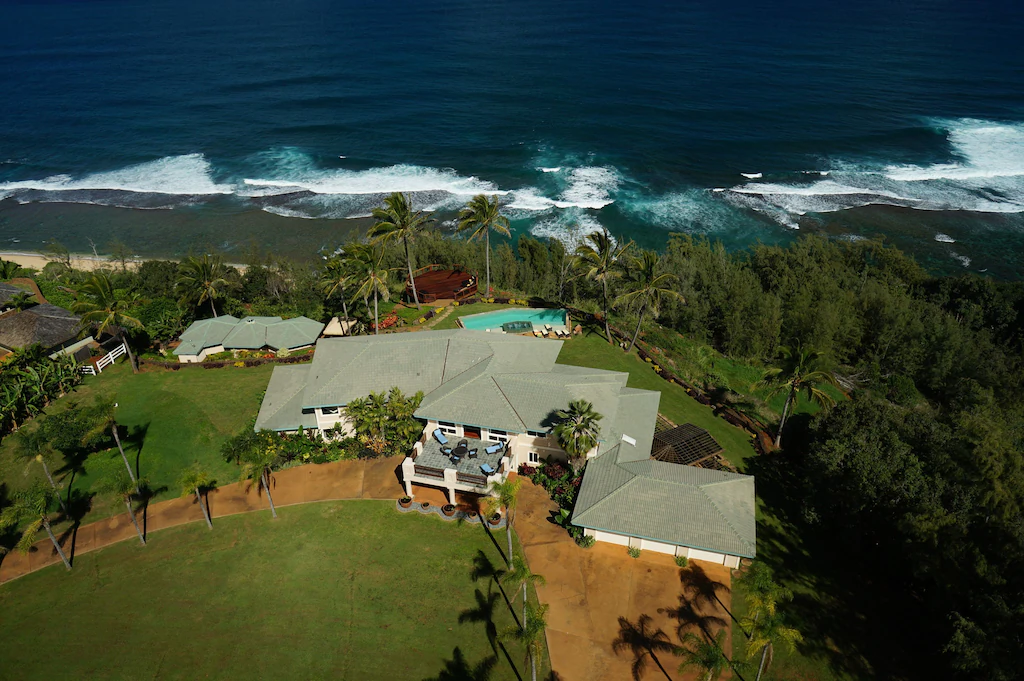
x=725 y=517
x=508 y=402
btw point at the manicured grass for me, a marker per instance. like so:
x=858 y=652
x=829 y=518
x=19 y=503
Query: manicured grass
x=335 y=590
x=592 y=350
x=451 y=321
x=172 y=419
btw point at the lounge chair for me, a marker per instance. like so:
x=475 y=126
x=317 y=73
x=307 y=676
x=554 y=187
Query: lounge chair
x=494 y=448
x=547 y=327
x=439 y=436
x=486 y=468
x=538 y=334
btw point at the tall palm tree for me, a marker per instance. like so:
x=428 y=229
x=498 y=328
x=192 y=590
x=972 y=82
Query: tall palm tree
x=397 y=220
x=766 y=630
x=647 y=290
x=258 y=471
x=530 y=635
x=504 y=495
x=520 y=576
x=802 y=371
x=480 y=216
x=597 y=258
x=336 y=277
x=33 y=446
x=123 y=488
x=105 y=418
x=707 y=656
x=107 y=309
x=32 y=506
x=372 y=277
x=195 y=480
x=577 y=430
x=201 y=280
x=644 y=642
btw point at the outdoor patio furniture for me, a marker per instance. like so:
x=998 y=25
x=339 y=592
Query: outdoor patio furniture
x=547 y=327
x=486 y=468
x=472 y=453
x=538 y=334
x=455 y=458
x=439 y=436
x=460 y=450
x=447 y=451
x=463 y=444
x=494 y=448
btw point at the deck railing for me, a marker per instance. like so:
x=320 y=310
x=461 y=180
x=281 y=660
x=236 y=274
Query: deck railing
x=471 y=479
x=429 y=472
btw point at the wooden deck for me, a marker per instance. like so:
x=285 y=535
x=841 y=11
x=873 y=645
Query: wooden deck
x=439 y=284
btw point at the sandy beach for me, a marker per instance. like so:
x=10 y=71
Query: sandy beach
x=80 y=261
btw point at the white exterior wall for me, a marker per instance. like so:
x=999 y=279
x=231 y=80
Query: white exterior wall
x=608 y=537
x=327 y=421
x=706 y=556
x=546 y=447
x=659 y=547
x=193 y=359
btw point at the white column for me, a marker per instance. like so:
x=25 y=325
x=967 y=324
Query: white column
x=408 y=470
x=450 y=480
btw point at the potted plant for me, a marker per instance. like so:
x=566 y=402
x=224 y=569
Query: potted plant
x=472 y=515
x=494 y=520
x=448 y=510
x=425 y=505
x=405 y=502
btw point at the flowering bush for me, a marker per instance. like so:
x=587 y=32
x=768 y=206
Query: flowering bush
x=239 y=364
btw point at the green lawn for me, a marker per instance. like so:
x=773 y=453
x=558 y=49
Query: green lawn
x=592 y=350
x=335 y=590
x=451 y=321
x=172 y=418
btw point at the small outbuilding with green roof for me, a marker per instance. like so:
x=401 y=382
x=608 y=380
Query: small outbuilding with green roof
x=210 y=336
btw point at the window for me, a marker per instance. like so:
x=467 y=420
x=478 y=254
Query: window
x=534 y=458
x=497 y=436
x=536 y=433
x=447 y=427
x=330 y=411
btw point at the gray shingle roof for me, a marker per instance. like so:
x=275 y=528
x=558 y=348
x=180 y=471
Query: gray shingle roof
x=282 y=404
x=251 y=333
x=8 y=291
x=45 y=324
x=679 y=505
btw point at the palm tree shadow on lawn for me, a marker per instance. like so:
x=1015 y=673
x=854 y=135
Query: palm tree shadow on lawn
x=79 y=504
x=483 y=613
x=135 y=439
x=145 y=495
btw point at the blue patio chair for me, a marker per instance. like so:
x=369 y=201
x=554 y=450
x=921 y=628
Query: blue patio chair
x=472 y=453
x=447 y=451
x=494 y=448
x=486 y=468
x=456 y=459
x=439 y=436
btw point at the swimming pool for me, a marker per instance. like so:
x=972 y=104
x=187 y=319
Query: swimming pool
x=492 y=321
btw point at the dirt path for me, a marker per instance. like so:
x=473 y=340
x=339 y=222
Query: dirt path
x=590 y=589
x=361 y=479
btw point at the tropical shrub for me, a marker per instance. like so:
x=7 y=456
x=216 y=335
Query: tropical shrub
x=384 y=423
x=633 y=552
x=29 y=381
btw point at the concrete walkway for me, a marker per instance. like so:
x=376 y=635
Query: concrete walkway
x=590 y=589
x=360 y=479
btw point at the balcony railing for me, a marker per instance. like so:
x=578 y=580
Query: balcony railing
x=429 y=472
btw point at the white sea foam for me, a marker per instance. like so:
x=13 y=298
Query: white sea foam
x=569 y=227
x=183 y=175
x=287 y=212
x=549 y=170
x=751 y=176
x=964 y=260
x=378 y=181
x=945 y=239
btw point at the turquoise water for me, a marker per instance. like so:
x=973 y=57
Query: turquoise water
x=494 y=320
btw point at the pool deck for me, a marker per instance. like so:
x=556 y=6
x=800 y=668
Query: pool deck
x=529 y=311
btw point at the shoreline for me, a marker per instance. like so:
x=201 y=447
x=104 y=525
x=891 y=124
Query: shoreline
x=85 y=262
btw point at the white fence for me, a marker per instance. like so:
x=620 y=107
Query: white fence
x=104 y=361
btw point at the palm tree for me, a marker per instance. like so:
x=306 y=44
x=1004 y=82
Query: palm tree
x=124 y=488
x=480 y=216
x=644 y=643
x=32 y=505
x=34 y=446
x=577 y=430
x=201 y=280
x=802 y=370
x=647 y=290
x=707 y=656
x=8 y=269
x=21 y=301
x=105 y=419
x=372 y=278
x=504 y=495
x=766 y=630
x=195 y=480
x=106 y=308
x=597 y=258
x=530 y=635
x=258 y=472
x=336 y=277
x=519 y=575
x=397 y=220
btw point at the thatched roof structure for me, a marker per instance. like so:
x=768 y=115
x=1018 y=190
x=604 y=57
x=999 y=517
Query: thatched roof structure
x=46 y=324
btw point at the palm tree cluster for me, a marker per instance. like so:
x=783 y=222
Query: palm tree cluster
x=384 y=422
x=803 y=372
x=764 y=624
x=29 y=381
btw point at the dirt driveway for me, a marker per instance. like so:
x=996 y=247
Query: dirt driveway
x=589 y=590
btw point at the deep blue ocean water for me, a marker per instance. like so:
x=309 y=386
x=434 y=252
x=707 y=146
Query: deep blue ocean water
x=233 y=121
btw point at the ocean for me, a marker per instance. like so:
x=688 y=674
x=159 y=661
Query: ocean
x=176 y=126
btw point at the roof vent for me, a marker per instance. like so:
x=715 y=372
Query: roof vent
x=629 y=440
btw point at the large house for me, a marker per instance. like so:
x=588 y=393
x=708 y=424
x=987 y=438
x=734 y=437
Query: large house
x=500 y=393
x=210 y=336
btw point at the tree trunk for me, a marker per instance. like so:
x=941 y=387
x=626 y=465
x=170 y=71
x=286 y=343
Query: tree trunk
x=131 y=475
x=53 y=484
x=508 y=534
x=266 y=487
x=785 y=414
x=206 y=512
x=607 y=329
x=487 y=259
x=412 y=281
x=637 y=332
x=127 y=349
x=764 y=656
x=524 y=604
x=56 y=545
x=213 y=306
x=344 y=309
x=131 y=514
x=533 y=667
x=376 y=319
